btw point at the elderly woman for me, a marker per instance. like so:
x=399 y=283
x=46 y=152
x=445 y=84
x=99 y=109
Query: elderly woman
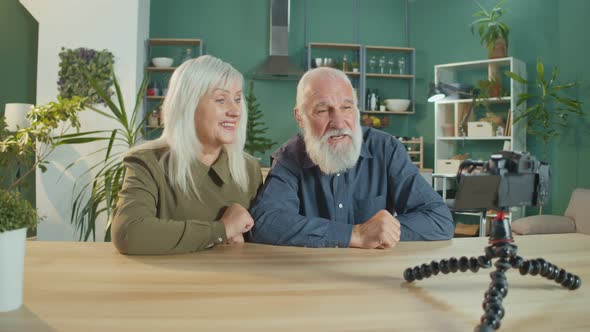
x=191 y=188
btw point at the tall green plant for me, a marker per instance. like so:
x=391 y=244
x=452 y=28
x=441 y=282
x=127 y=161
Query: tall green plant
x=548 y=109
x=489 y=26
x=99 y=195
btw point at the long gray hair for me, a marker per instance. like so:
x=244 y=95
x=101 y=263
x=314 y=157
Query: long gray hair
x=191 y=81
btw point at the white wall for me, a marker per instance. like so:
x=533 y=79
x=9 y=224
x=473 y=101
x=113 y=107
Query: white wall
x=121 y=27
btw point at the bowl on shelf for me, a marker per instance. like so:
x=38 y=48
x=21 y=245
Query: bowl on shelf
x=162 y=62
x=397 y=105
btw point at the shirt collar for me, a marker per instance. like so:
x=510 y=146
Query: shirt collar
x=307 y=163
x=221 y=167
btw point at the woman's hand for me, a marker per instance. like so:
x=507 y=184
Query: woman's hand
x=237 y=221
x=236 y=239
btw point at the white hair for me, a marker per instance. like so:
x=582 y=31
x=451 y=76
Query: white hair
x=329 y=160
x=189 y=82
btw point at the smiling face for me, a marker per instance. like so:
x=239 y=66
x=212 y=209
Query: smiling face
x=329 y=108
x=330 y=123
x=218 y=115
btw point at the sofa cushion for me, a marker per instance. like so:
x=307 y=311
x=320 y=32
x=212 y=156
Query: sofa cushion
x=578 y=209
x=543 y=224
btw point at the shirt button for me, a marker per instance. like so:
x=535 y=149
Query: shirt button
x=219 y=240
x=340 y=205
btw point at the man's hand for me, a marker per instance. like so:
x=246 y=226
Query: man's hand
x=381 y=231
x=236 y=220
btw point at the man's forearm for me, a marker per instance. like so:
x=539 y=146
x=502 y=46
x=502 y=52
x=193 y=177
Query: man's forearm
x=282 y=228
x=430 y=225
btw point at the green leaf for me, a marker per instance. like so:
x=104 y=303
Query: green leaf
x=120 y=99
x=541 y=72
x=515 y=77
x=114 y=109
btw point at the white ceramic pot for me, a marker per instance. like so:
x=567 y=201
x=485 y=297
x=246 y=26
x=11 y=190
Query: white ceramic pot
x=15 y=115
x=12 y=263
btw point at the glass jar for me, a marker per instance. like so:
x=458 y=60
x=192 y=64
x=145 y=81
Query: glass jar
x=391 y=65
x=382 y=65
x=345 y=63
x=372 y=64
x=401 y=63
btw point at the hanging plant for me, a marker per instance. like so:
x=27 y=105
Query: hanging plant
x=72 y=82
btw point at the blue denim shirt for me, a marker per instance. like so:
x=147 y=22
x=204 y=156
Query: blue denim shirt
x=301 y=206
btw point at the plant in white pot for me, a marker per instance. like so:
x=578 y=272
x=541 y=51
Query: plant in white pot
x=16 y=216
x=22 y=152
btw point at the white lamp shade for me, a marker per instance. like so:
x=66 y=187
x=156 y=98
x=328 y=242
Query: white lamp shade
x=15 y=115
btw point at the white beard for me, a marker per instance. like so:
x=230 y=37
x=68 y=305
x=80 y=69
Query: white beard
x=336 y=158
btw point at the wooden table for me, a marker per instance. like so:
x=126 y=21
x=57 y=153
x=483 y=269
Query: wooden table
x=73 y=286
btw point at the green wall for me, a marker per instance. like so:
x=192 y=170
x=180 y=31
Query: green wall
x=18 y=66
x=237 y=31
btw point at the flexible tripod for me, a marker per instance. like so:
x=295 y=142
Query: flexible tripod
x=500 y=247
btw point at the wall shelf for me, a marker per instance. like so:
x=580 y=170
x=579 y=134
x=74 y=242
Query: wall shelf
x=358 y=79
x=335 y=46
x=390 y=48
x=467 y=138
x=174 y=41
x=391 y=76
x=161 y=69
x=500 y=100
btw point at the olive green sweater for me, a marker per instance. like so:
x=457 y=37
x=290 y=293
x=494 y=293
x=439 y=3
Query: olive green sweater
x=153 y=216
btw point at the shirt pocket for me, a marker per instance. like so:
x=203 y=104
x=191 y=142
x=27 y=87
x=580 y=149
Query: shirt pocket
x=367 y=207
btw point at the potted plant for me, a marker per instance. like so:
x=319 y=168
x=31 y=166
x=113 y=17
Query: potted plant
x=26 y=150
x=16 y=216
x=493 y=33
x=547 y=109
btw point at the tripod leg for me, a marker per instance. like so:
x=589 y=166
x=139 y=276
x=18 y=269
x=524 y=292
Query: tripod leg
x=445 y=266
x=547 y=270
x=493 y=297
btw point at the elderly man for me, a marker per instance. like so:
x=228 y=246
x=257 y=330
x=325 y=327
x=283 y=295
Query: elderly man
x=338 y=184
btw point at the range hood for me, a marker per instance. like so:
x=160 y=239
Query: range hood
x=278 y=66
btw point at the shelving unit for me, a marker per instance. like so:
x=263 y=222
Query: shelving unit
x=409 y=78
x=359 y=79
x=449 y=114
x=157 y=47
x=415 y=148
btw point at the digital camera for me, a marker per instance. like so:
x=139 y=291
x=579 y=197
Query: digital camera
x=507 y=179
